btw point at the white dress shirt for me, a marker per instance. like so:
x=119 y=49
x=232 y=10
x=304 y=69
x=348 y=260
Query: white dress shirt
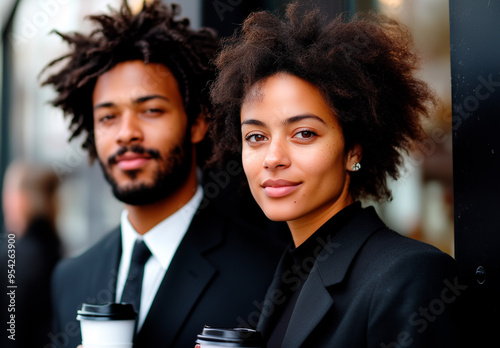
x=163 y=241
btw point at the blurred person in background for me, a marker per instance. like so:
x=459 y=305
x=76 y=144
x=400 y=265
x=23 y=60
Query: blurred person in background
x=137 y=87
x=29 y=201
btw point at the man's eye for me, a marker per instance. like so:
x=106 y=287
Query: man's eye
x=106 y=118
x=154 y=111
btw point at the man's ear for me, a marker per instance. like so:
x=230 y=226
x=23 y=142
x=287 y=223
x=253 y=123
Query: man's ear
x=199 y=129
x=354 y=156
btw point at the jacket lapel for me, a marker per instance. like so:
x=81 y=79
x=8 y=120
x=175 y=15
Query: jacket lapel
x=185 y=281
x=313 y=303
x=330 y=268
x=274 y=287
x=103 y=286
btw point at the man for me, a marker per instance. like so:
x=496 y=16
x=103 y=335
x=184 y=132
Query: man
x=138 y=87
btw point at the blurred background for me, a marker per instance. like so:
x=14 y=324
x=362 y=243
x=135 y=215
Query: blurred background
x=33 y=131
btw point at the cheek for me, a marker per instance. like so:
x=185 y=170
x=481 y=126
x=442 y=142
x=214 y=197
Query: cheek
x=251 y=164
x=247 y=161
x=167 y=131
x=105 y=144
x=324 y=164
x=100 y=146
x=164 y=138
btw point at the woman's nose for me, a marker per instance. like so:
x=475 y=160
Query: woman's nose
x=276 y=156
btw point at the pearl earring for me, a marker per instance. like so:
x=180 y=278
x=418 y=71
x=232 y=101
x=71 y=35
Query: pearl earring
x=356 y=166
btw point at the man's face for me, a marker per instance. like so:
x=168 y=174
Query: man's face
x=143 y=141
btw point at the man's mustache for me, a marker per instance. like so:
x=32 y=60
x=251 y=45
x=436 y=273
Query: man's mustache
x=138 y=149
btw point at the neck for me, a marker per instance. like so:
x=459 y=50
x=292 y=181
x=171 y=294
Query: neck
x=144 y=217
x=304 y=227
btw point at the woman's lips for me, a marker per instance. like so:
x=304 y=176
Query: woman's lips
x=279 y=188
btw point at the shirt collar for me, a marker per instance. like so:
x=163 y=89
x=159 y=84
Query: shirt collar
x=164 y=238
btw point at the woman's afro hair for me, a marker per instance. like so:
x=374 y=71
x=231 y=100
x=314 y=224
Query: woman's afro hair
x=364 y=67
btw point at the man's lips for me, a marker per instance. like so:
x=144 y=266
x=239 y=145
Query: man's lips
x=132 y=161
x=279 y=188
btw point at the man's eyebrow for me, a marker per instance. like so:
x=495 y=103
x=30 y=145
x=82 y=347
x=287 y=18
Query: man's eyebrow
x=149 y=97
x=104 y=105
x=135 y=101
x=302 y=117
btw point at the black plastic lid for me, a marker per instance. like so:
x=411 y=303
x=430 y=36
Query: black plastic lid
x=108 y=311
x=241 y=336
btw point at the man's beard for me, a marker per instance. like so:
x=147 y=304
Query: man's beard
x=171 y=174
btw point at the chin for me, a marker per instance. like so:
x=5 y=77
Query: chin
x=278 y=214
x=130 y=176
x=134 y=179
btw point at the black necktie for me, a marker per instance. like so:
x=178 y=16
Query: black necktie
x=132 y=290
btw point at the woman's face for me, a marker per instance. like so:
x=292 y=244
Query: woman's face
x=293 y=152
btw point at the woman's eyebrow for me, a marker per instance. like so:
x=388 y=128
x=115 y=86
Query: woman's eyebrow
x=287 y=121
x=298 y=118
x=253 y=122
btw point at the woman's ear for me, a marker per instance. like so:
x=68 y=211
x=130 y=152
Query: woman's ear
x=354 y=157
x=199 y=129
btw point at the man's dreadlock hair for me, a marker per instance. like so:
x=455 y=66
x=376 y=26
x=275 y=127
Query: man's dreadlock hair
x=153 y=35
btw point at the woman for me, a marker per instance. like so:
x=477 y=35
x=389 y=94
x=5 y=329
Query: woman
x=322 y=112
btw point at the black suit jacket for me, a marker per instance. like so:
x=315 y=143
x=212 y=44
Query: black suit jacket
x=218 y=276
x=371 y=287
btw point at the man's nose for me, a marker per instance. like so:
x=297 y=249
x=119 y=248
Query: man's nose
x=130 y=130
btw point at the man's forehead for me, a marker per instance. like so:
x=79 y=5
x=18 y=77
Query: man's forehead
x=132 y=80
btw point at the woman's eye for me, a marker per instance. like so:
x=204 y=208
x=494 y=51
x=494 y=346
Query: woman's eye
x=255 y=138
x=305 y=134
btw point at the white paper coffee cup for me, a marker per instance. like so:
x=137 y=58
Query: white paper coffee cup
x=212 y=337
x=109 y=325
x=103 y=345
